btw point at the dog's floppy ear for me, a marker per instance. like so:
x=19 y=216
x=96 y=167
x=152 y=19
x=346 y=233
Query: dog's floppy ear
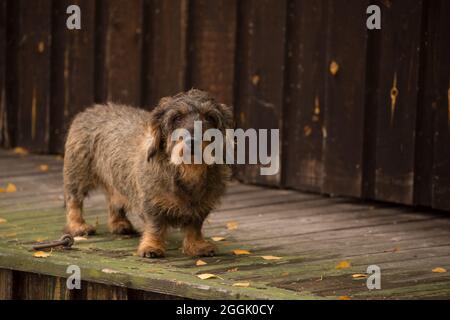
x=227 y=115
x=156 y=127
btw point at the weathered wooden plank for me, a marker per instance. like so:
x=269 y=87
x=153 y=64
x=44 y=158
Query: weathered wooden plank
x=165 y=49
x=304 y=95
x=4 y=137
x=438 y=85
x=120 y=51
x=345 y=86
x=397 y=100
x=32 y=93
x=72 y=68
x=98 y=291
x=6 y=284
x=30 y=286
x=260 y=74
x=212 y=47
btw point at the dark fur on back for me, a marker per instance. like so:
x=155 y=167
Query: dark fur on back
x=127 y=152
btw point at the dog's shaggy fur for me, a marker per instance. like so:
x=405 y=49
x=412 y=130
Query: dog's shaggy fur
x=127 y=152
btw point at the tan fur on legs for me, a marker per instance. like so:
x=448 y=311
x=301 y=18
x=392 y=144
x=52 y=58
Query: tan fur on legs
x=195 y=245
x=118 y=222
x=152 y=243
x=76 y=225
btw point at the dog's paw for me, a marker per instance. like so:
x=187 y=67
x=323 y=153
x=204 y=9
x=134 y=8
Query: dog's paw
x=122 y=227
x=150 y=252
x=200 y=248
x=79 y=229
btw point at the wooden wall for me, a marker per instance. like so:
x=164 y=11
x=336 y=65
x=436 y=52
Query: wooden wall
x=362 y=113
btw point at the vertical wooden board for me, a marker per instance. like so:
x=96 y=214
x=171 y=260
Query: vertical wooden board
x=439 y=97
x=344 y=102
x=31 y=286
x=120 y=51
x=304 y=95
x=396 y=121
x=3 y=114
x=260 y=74
x=72 y=68
x=165 y=53
x=33 y=74
x=212 y=47
x=6 y=284
x=98 y=291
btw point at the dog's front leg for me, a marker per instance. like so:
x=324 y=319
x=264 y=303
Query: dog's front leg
x=152 y=243
x=194 y=244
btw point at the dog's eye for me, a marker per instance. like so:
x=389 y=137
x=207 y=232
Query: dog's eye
x=176 y=119
x=210 y=118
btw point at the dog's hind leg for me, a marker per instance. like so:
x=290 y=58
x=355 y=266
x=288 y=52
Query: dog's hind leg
x=76 y=225
x=118 y=222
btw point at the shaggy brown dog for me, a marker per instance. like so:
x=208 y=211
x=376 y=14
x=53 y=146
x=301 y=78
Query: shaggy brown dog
x=127 y=152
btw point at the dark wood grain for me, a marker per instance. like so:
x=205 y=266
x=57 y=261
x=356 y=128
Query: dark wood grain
x=33 y=74
x=73 y=87
x=304 y=95
x=212 y=47
x=6 y=284
x=119 y=51
x=3 y=115
x=438 y=98
x=399 y=63
x=344 y=101
x=165 y=49
x=260 y=74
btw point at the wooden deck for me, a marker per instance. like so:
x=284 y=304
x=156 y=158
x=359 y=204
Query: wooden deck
x=310 y=233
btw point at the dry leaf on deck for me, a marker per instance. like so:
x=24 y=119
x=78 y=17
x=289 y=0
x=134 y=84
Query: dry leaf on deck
x=359 y=276
x=41 y=254
x=343 y=265
x=271 y=258
x=232 y=270
x=344 y=298
x=43 y=167
x=241 y=284
x=79 y=239
x=439 y=270
x=205 y=276
x=239 y=252
x=109 y=271
x=200 y=263
x=232 y=225
x=3 y=220
x=217 y=238
x=21 y=151
x=10 y=188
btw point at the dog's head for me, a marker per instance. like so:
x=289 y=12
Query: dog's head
x=178 y=115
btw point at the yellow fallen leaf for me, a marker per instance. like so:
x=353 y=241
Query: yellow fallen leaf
x=359 y=276
x=232 y=270
x=20 y=151
x=3 y=220
x=271 y=257
x=232 y=225
x=241 y=284
x=200 y=263
x=439 y=270
x=343 y=265
x=106 y=270
x=240 y=252
x=41 y=239
x=205 y=276
x=79 y=239
x=344 y=298
x=43 y=167
x=217 y=238
x=334 y=68
x=42 y=254
x=10 y=188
